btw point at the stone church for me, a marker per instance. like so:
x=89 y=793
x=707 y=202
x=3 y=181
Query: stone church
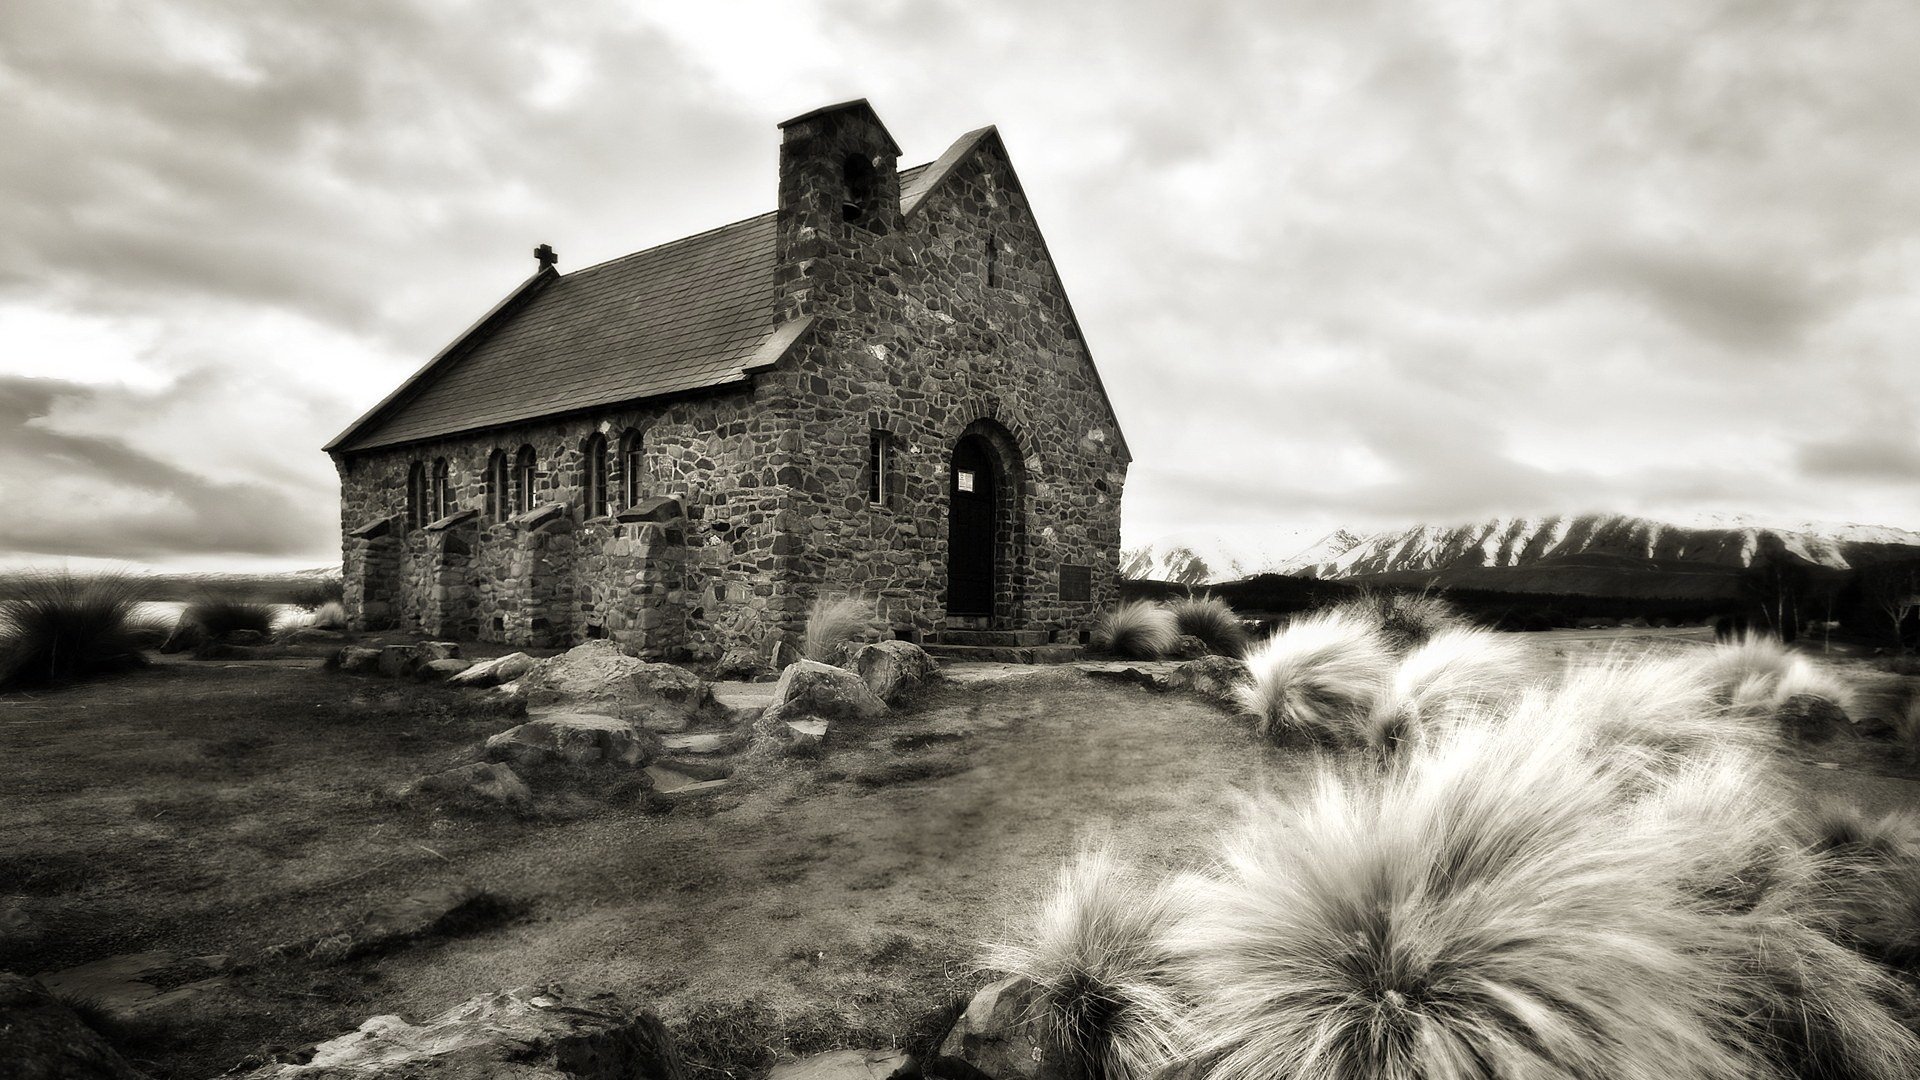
x=878 y=389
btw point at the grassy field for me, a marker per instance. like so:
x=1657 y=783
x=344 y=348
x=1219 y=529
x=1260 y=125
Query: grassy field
x=211 y=808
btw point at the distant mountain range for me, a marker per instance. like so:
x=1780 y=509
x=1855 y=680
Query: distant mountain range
x=1476 y=554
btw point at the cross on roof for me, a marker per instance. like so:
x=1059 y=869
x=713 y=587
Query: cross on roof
x=546 y=256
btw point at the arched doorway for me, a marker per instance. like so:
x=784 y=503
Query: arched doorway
x=972 y=528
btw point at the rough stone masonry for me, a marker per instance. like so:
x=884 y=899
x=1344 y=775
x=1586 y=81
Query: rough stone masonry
x=879 y=389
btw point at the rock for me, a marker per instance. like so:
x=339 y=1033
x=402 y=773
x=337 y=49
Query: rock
x=130 y=984
x=671 y=786
x=1810 y=717
x=485 y=783
x=186 y=636
x=357 y=658
x=891 y=669
x=703 y=742
x=578 y=738
x=441 y=670
x=847 y=1065
x=398 y=660
x=1212 y=677
x=42 y=1039
x=429 y=651
x=599 y=676
x=739 y=663
x=1188 y=647
x=808 y=733
x=528 y=1033
x=494 y=672
x=809 y=688
x=310 y=635
x=995 y=1036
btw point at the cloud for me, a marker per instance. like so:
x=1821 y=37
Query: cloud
x=1872 y=455
x=88 y=495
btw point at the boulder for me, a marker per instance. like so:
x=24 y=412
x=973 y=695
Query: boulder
x=482 y=783
x=847 y=1065
x=1212 y=677
x=1810 y=717
x=398 y=660
x=996 y=1036
x=500 y=669
x=357 y=658
x=528 y=1033
x=739 y=663
x=42 y=1039
x=810 y=688
x=441 y=670
x=577 y=738
x=891 y=669
x=599 y=676
x=1187 y=647
x=429 y=651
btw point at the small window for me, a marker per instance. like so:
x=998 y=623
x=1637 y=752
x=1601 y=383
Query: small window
x=416 y=495
x=442 y=494
x=856 y=172
x=595 y=453
x=523 y=480
x=633 y=468
x=497 y=485
x=879 y=467
x=993 y=261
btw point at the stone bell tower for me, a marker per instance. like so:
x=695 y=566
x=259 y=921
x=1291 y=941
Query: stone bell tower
x=839 y=197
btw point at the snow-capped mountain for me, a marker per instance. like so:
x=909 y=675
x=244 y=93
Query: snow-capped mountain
x=1722 y=541
x=1717 y=540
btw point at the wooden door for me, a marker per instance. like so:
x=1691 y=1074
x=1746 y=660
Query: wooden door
x=970 y=530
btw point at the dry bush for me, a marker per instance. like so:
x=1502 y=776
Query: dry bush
x=221 y=616
x=1459 y=671
x=1139 y=629
x=1213 y=621
x=1320 y=677
x=1107 y=1001
x=1404 y=620
x=833 y=623
x=56 y=627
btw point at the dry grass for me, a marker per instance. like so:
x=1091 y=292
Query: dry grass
x=833 y=623
x=1404 y=620
x=1321 y=678
x=1659 y=708
x=1139 y=629
x=1460 y=671
x=222 y=617
x=1108 y=1000
x=57 y=627
x=1213 y=621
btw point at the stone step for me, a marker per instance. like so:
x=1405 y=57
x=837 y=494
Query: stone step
x=1007 y=654
x=696 y=768
x=702 y=742
x=673 y=786
x=744 y=701
x=993 y=637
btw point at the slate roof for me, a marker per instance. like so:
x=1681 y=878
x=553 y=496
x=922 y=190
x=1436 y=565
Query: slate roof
x=687 y=315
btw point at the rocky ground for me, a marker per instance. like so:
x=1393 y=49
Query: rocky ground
x=240 y=863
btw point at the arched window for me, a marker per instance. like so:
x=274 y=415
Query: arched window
x=523 y=477
x=416 y=495
x=497 y=485
x=858 y=175
x=442 y=500
x=595 y=468
x=633 y=468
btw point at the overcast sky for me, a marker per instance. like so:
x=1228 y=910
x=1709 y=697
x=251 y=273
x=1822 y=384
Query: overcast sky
x=1341 y=263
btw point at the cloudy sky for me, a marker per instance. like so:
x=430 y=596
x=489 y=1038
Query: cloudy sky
x=1342 y=264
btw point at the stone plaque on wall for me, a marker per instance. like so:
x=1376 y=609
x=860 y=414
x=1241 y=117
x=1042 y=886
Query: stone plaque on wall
x=1076 y=582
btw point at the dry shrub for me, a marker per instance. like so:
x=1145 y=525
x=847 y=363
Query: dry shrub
x=1459 y=671
x=222 y=617
x=1139 y=629
x=56 y=627
x=833 y=623
x=1321 y=677
x=1107 y=998
x=1404 y=620
x=1213 y=621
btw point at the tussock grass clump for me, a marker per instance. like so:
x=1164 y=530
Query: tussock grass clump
x=1321 y=677
x=1661 y=709
x=1107 y=996
x=834 y=622
x=56 y=627
x=1213 y=621
x=1746 y=665
x=1460 y=671
x=329 y=616
x=319 y=592
x=221 y=617
x=1139 y=629
x=1404 y=620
